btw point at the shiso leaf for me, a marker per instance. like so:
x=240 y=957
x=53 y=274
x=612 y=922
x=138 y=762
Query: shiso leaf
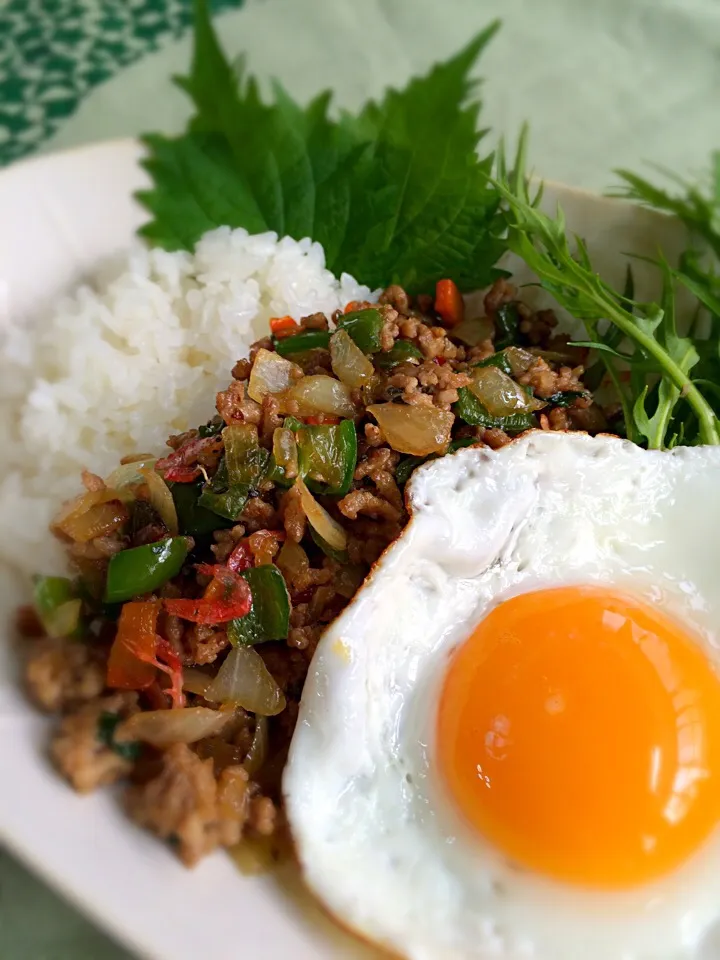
x=396 y=193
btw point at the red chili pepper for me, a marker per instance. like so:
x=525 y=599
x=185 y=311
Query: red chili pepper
x=440 y=361
x=353 y=306
x=241 y=558
x=180 y=466
x=227 y=597
x=320 y=419
x=283 y=327
x=449 y=303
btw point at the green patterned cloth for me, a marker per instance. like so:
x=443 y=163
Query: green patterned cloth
x=604 y=84
x=53 y=52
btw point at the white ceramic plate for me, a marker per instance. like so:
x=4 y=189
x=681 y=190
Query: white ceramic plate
x=61 y=215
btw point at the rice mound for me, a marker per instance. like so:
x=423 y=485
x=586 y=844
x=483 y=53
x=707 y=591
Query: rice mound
x=133 y=356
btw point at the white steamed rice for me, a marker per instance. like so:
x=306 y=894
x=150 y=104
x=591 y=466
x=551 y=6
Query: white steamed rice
x=137 y=355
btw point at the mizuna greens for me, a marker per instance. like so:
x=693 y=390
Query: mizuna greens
x=671 y=382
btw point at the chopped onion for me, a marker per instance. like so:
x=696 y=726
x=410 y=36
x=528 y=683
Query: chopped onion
x=184 y=725
x=195 y=681
x=128 y=473
x=245 y=681
x=474 y=330
x=100 y=520
x=292 y=560
x=415 y=430
x=348 y=580
x=321 y=394
x=520 y=360
x=285 y=451
x=349 y=363
x=63 y=620
x=271 y=373
x=255 y=757
x=86 y=501
x=500 y=394
x=161 y=500
x=321 y=521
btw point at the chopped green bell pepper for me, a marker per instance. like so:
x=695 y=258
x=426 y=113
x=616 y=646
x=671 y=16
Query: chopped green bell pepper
x=245 y=460
x=269 y=615
x=327 y=456
x=49 y=595
x=469 y=409
x=496 y=360
x=140 y=570
x=365 y=327
x=302 y=342
x=51 y=592
x=402 y=350
x=193 y=519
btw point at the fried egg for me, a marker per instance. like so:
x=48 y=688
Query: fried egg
x=509 y=742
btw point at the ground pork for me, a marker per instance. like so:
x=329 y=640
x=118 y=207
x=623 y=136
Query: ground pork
x=545 y=381
x=186 y=804
x=201 y=797
x=396 y=297
x=293 y=515
x=78 y=750
x=235 y=406
x=61 y=673
x=363 y=501
x=204 y=642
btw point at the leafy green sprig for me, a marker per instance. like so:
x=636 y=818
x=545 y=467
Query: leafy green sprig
x=396 y=193
x=640 y=338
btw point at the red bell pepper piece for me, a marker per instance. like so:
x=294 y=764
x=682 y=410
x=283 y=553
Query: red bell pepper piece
x=449 y=303
x=138 y=652
x=283 y=327
x=355 y=305
x=132 y=655
x=226 y=598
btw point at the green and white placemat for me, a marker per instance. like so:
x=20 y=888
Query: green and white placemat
x=604 y=84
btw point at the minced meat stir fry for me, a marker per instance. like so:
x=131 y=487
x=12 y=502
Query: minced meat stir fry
x=203 y=580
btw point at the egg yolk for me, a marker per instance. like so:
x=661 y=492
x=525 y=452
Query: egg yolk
x=579 y=731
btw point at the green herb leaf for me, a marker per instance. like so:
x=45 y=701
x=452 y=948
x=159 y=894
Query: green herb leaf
x=649 y=329
x=269 y=615
x=107 y=722
x=469 y=409
x=400 y=352
x=394 y=194
x=499 y=359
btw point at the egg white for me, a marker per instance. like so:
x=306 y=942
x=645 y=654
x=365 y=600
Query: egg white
x=378 y=837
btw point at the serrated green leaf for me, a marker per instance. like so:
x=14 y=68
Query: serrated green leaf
x=395 y=194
